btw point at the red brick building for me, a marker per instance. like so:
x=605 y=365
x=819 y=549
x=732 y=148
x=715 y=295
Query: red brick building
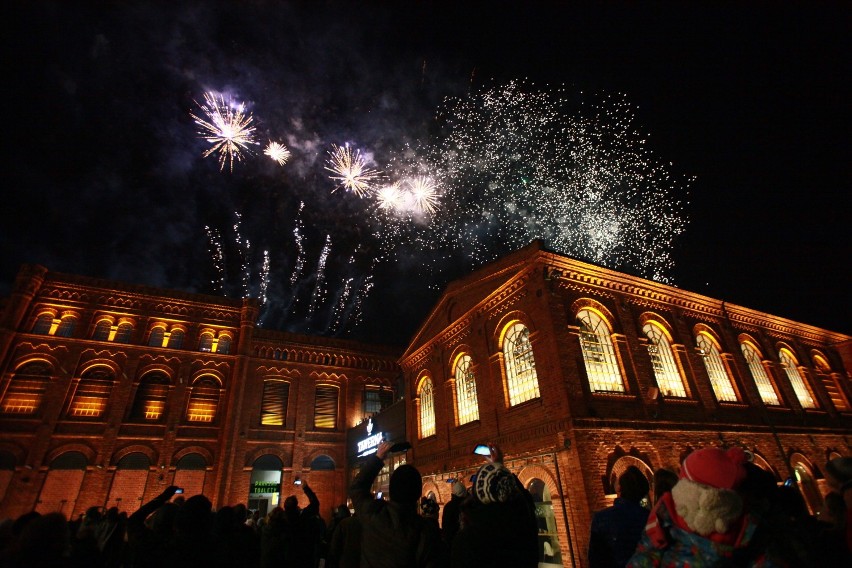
x=577 y=372
x=110 y=392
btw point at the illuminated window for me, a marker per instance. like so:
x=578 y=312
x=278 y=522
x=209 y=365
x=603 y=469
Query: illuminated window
x=205 y=342
x=203 y=400
x=723 y=386
x=102 y=330
x=273 y=408
x=799 y=387
x=521 y=377
x=66 y=326
x=124 y=332
x=427 y=409
x=26 y=388
x=467 y=405
x=151 y=395
x=662 y=359
x=599 y=353
x=224 y=346
x=325 y=409
x=176 y=338
x=155 y=339
x=376 y=399
x=758 y=373
x=43 y=324
x=93 y=390
x=830 y=382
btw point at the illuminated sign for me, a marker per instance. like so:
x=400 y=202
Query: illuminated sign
x=370 y=444
x=265 y=487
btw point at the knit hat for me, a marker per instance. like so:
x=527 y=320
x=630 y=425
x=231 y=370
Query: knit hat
x=840 y=469
x=428 y=508
x=715 y=467
x=405 y=484
x=459 y=489
x=494 y=484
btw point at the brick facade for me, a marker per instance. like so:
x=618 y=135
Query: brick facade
x=574 y=439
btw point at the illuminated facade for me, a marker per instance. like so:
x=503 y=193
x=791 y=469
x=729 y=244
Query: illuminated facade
x=577 y=372
x=110 y=392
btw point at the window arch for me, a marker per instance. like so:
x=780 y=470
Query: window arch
x=720 y=379
x=102 y=330
x=791 y=367
x=599 y=355
x=322 y=463
x=66 y=326
x=467 y=405
x=151 y=396
x=43 y=324
x=755 y=366
x=521 y=376
x=426 y=400
x=176 y=338
x=156 y=337
x=26 y=389
x=663 y=361
x=830 y=381
x=124 y=332
x=203 y=400
x=803 y=470
x=92 y=394
x=205 y=342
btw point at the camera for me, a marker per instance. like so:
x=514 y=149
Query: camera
x=297 y=481
x=482 y=450
x=789 y=482
x=178 y=490
x=400 y=447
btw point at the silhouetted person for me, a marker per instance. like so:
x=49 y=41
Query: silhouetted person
x=616 y=530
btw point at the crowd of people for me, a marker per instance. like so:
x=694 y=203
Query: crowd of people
x=720 y=511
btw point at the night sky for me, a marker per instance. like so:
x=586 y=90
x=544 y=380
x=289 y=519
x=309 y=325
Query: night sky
x=104 y=175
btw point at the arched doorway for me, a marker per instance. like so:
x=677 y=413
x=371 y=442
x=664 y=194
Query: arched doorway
x=807 y=484
x=190 y=471
x=129 y=482
x=265 y=487
x=62 y=485
x=549 y=551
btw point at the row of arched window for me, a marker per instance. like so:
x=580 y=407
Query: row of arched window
x=90 y=394
x=120 y=330
x=604 y=366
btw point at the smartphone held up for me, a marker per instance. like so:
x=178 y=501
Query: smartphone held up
x=482 y=450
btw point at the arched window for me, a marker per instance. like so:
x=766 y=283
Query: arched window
x=43 y=323
x=521 y=377
x=203 y=400
x=124 y=332
x=325 y=406
x=192 y=462
x=205 y=342
x=176 y=338
x=26 y=389
x=720 y=380
x=102 y=330
x=224 y=346
x=66 y=326
x=830 y=381
x=467 y=405
x=273 y=407
x=807 y=484
x=791 y=367
x=93 y=390
x=758 y=373
x=427 y=408
x=598 y=353
x=151 y=395
x=322 y=463
x=155 y=339
x=663 y=361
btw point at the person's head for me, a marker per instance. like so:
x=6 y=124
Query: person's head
x=632 y=485
x=495 y=484
x=341 y=512
x=838 y=474
x=757 y=489
x=459 y=490
x=291 y=503
x=664 y=480
x=428 y=508
x=405 y=484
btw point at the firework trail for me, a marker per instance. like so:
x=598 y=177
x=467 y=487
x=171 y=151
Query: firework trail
x=245 y=249
x=216 y=251
x=349 y=169
x=277 y=152
x=319 y=287
x=340 y=306
x=264 y=278
x=227 y=127
x=300 y=246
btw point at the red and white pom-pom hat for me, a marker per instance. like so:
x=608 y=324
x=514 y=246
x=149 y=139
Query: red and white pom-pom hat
x=715 y=467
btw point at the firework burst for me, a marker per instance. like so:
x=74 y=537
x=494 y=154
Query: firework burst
x=227 y=127
x=424 y=194
x=349 y=168
x=277 y=152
